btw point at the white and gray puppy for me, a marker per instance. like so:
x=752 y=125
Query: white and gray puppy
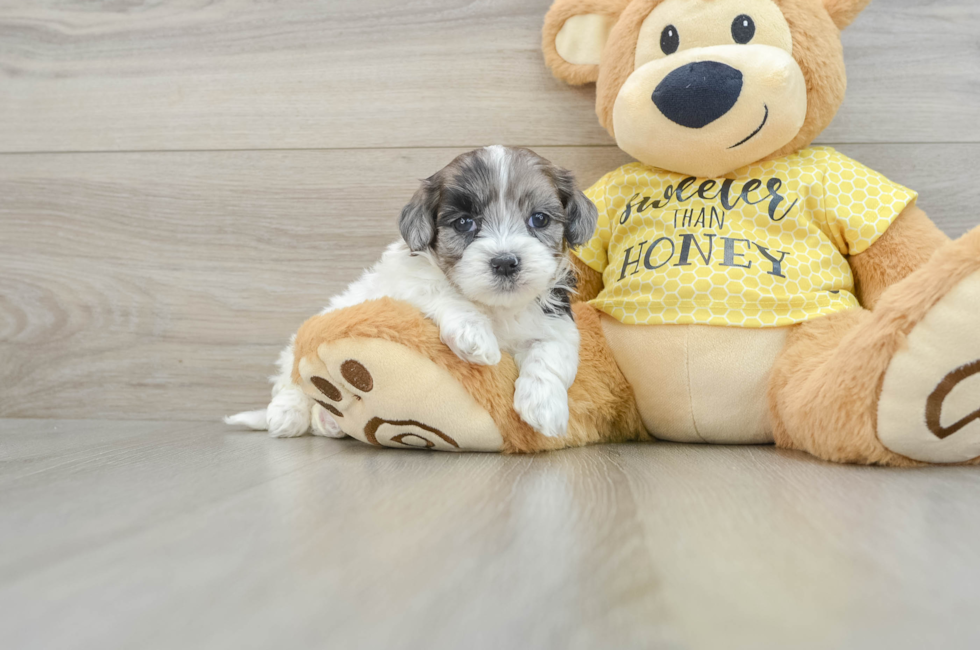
x=484 y=257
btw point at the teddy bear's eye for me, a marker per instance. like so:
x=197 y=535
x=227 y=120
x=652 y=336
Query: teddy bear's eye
x=743 y=29
x=669 y=40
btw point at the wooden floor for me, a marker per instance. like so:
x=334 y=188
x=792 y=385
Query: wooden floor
x=183 y=183
x=155 y=535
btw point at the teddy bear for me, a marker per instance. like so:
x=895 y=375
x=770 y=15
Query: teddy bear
x=742 y=287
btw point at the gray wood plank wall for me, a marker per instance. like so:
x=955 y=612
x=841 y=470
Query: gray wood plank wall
x=180 y=186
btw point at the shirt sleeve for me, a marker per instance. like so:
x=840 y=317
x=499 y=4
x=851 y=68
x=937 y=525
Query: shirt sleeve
x=860 y=203
x=593 y=252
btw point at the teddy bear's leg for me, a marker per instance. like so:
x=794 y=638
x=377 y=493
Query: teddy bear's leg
x=899 y=385
x=381 y=372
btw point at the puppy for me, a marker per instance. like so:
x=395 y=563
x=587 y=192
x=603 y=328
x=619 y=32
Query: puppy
x=484 y=257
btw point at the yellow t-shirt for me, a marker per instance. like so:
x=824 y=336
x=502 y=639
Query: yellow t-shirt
x=763 y=247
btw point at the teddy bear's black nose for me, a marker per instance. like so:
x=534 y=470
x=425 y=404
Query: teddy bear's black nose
x=697 y=94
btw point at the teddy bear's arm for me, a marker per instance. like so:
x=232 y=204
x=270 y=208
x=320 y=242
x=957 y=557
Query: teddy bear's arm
x=905 y=246
x=589 y=281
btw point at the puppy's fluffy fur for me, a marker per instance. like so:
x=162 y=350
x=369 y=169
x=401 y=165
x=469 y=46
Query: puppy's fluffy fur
x=484 y=256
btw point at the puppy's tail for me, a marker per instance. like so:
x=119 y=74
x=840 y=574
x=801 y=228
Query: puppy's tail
x=256 y=420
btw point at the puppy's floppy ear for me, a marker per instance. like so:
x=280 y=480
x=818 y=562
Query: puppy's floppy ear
x=575 y=33
x=417 y=222
x=843 y=12
x=581 y=215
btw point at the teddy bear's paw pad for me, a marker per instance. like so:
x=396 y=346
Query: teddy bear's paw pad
x=387 y=395
x=930 y=399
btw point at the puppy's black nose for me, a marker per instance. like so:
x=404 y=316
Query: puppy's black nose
x=697 y=94
x=505 y=265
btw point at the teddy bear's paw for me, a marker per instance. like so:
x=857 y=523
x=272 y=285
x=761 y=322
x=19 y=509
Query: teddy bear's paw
x=543 y=404
x=388 y=395
x=929 y=409
x=472 y=339
x=288 y=414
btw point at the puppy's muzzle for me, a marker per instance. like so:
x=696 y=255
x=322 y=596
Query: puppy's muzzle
x=697 y=94
x=506 y=265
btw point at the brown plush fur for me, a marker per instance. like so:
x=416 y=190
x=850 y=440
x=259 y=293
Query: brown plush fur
x=600 y=400
x=618 y=59
x=844 y=12
x=820 y=55
x=553 y=21
x=825 y=385
x=816 y=47
x=588 y=280
x=905 y=246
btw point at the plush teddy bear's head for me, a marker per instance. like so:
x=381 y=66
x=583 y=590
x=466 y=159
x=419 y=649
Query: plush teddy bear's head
x=704 y=87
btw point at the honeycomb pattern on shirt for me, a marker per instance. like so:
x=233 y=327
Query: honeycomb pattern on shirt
x=763 y=247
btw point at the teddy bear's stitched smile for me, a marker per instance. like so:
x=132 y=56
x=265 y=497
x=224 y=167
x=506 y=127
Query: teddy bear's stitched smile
x=756 y=132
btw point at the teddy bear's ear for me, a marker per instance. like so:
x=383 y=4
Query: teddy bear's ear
x=844 y=12
x=574 y=35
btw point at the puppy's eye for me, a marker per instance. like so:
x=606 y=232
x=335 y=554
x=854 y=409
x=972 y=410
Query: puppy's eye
x=464 y=225
x=538 y=220
x=743 y=29
x=669 y=40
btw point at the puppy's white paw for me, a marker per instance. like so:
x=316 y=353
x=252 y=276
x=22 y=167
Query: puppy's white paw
x=289 y=413
x=324 y=424
x=472 y=340
x=543 y=404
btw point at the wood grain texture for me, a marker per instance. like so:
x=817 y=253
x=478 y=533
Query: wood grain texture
x=155 y=279
x=163 y=535
x=162 y=285
x=243 y=74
